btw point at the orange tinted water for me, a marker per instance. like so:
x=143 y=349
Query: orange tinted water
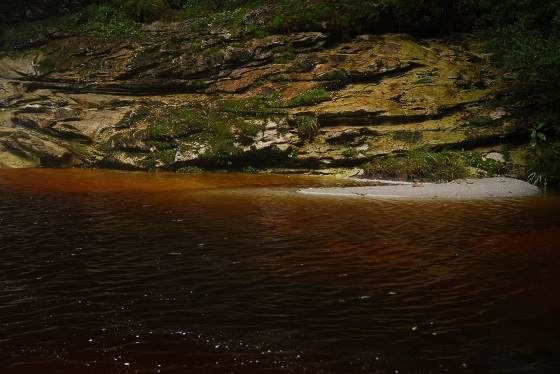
x=109 y=272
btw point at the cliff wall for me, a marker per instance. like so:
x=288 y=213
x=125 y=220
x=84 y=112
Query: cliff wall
x=171 y=99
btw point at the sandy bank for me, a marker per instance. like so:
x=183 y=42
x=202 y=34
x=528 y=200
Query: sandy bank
x=498 y=187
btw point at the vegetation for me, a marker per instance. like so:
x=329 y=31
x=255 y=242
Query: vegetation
x=487 y=166
x=422 y=163
x=527 y=42
x=418 y=163
x=189 y=170
x=342 y=19
x=216 y=131
x=544 y=166
x=310 y=97
x=308 y=127
x=43 y=62
x=103 y=19
x=349 y=153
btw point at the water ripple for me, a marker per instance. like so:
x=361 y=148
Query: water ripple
x=251 y=277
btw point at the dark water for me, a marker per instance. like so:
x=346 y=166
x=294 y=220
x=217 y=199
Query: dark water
x=106 y=272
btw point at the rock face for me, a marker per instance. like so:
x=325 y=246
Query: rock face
x=171 y=99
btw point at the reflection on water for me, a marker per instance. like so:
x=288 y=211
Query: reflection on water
x=107 y=272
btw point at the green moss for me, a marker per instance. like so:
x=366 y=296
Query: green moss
x=302 y=66
x=349 y=153
x=213 y=50
x=159 y=144
x=278 y=78
x=331 y=75
x=160 y=130
x=43 y=62
x=170 y=123
x=250 y=170
x=284 y=53
x=222 y=153
x=220 y=126
x=257 y=106
x=189 y=170
x=132 y=117
x=159 y=159
x=249 y=128
x=256 y=31
x=481 y=121
x=167 y=156
x=196 y=45
x=149 y=163
x=310 y=97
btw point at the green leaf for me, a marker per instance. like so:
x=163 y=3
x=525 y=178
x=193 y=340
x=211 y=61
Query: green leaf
x=423 y=81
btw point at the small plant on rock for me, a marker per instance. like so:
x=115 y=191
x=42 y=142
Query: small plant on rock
x=308 y=127
x=537 y=134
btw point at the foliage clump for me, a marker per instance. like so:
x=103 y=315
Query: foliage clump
x=307 y=127
x=341 y=19
x=488 y=166
x=307 y=98
x=419 y=163
x=526 y=41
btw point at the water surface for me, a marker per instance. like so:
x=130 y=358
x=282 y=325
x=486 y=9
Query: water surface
x=112 y=272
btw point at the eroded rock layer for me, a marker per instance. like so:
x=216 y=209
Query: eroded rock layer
x=171 y=99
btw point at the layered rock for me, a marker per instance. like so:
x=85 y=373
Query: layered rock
x=170 y=99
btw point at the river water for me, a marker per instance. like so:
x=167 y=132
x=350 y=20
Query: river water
x=113 y=272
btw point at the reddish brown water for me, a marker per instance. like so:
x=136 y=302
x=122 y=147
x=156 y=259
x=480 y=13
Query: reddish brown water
x=110 y=272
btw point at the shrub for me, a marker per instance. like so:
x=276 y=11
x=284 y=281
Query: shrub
x=308 y=127
x=544 y=164
x=527 y=41
x=101 y=19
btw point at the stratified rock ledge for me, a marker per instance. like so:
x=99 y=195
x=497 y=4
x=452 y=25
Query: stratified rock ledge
x=498 y=187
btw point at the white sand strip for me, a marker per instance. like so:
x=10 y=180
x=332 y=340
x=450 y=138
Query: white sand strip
x=498 y=187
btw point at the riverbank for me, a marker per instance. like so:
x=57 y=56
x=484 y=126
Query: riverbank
x=498 y=187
